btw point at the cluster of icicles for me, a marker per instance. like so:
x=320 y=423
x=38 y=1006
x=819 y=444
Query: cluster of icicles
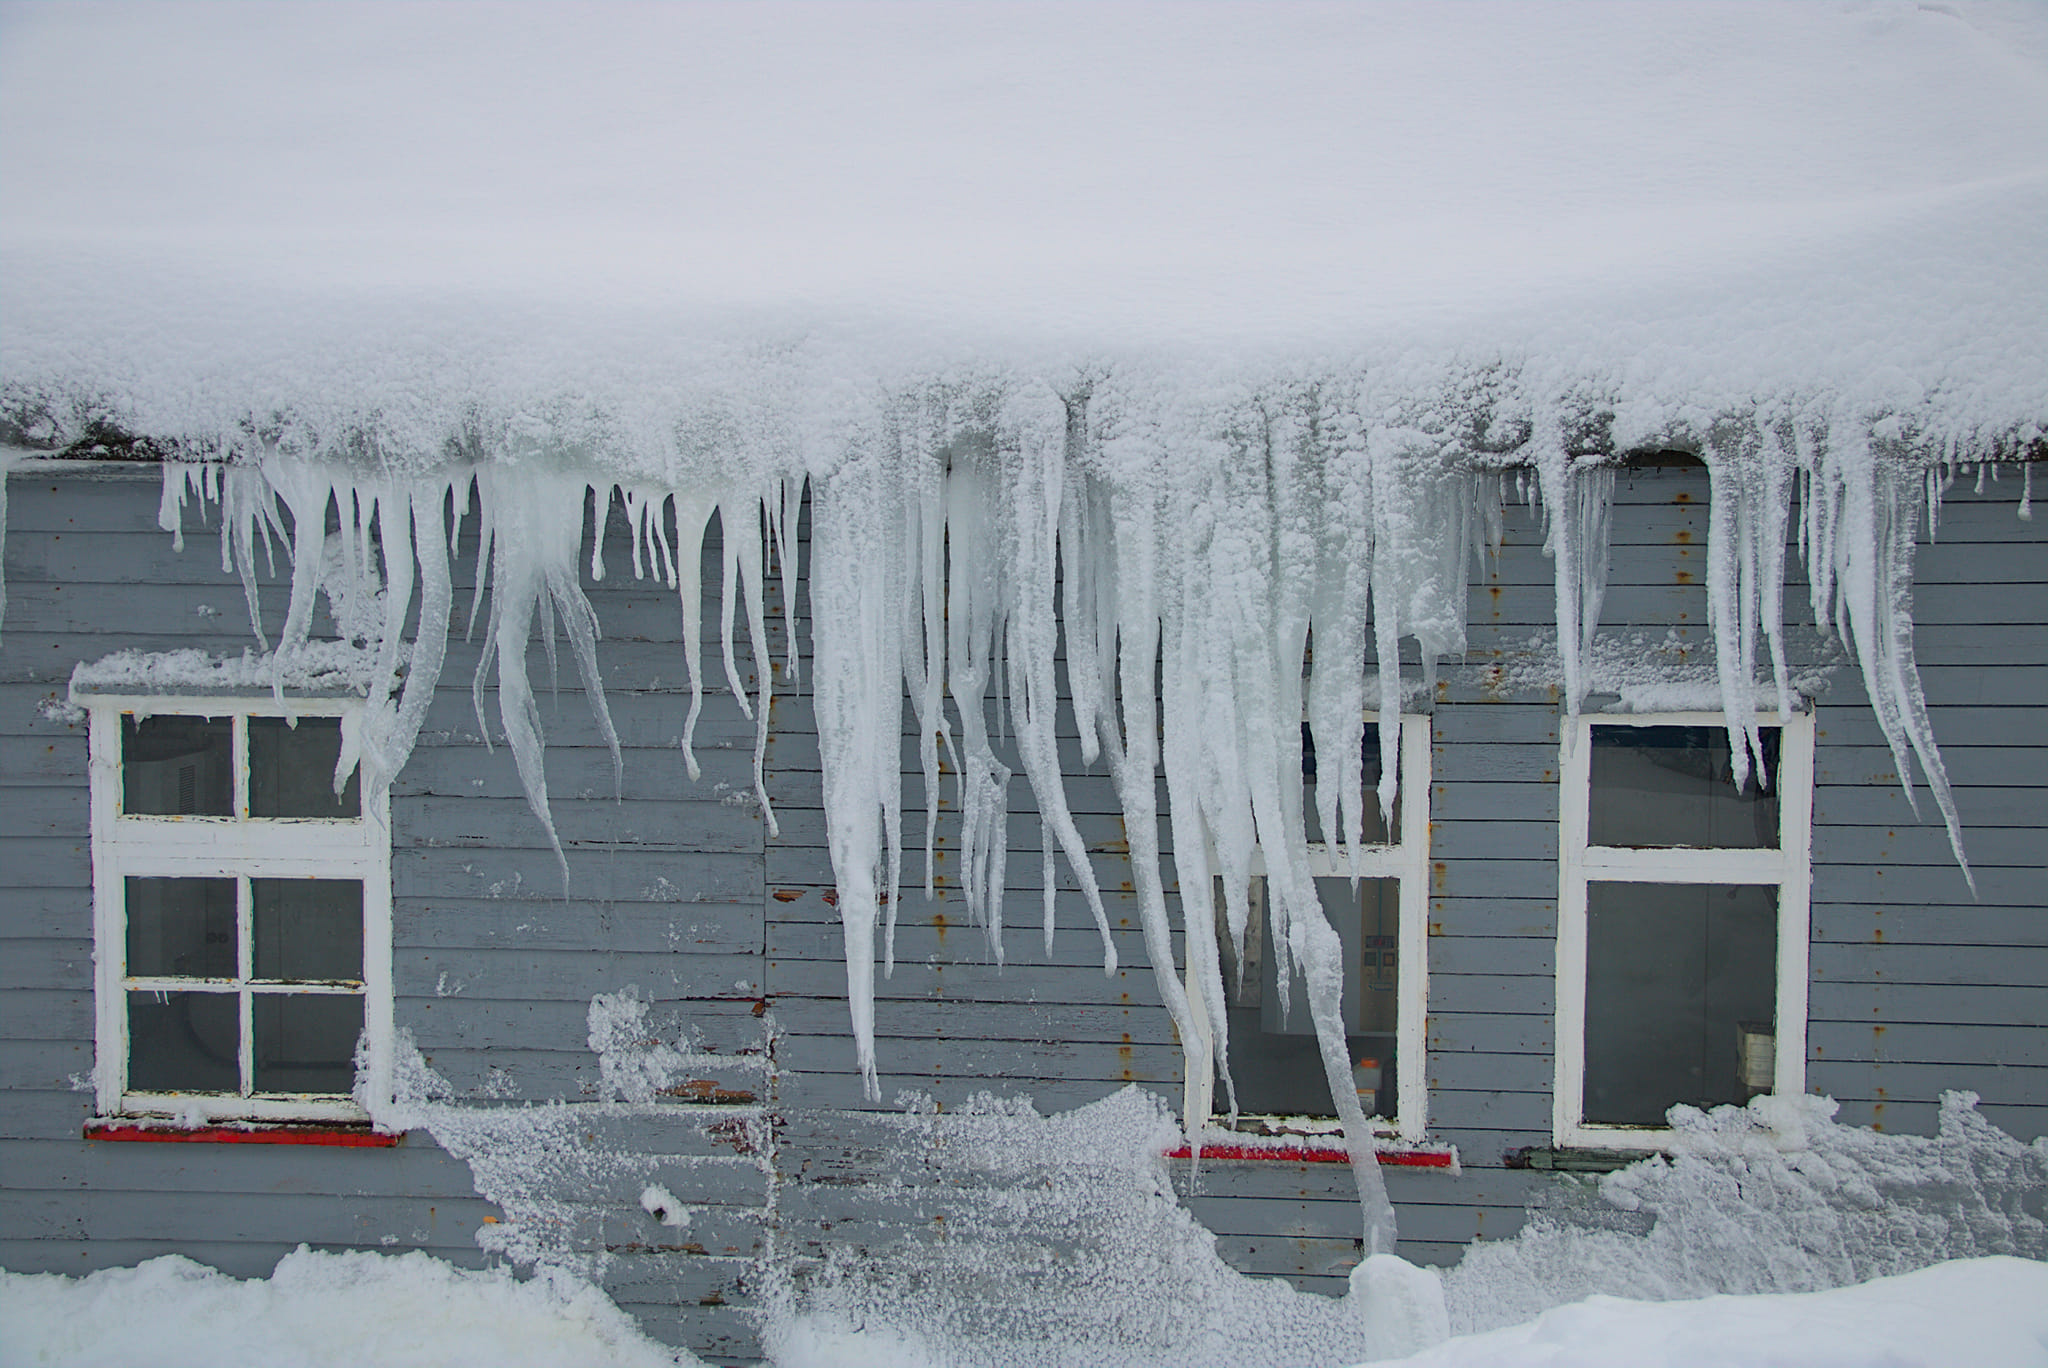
x=953 y=552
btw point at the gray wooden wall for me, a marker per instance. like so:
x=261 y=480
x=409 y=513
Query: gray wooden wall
x=732 y=934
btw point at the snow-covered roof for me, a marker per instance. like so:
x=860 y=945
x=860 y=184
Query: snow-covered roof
x=402 y=216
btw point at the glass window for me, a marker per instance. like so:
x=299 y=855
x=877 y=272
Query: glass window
x=291 y=769
x=252 y=952
x=1681 y=981
x=177 y=766
x=308 y=928
x=1675 y=786
x=1276 y=1063
x=1682 y=923
x=181 y=928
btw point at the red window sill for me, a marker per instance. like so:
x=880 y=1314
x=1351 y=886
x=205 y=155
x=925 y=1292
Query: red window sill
x=1319 y=1154
x=346 y=1137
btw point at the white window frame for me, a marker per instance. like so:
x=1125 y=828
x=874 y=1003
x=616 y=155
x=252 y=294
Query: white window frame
x=1407 y=863
x=238 y=847
x=1789 y=869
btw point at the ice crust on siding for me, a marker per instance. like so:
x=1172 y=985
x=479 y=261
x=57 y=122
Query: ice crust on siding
x=1201 y=567
x=1064 y=1241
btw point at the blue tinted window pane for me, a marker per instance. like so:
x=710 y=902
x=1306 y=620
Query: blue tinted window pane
x=184 y=1042
x=1681 y=980
x=291 y=769
x=182 y=928
x=307 y=928
x=1275 y=1061
x=1674 y=786
x=177 y=766
x=306 y=1042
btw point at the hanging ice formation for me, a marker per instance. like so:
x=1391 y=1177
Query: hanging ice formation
x=1212 y=573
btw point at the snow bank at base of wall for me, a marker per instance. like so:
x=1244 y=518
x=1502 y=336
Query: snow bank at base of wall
x=1990 y=1313
x=343 y=1310
x=1062 y=1243
x=316 y=1310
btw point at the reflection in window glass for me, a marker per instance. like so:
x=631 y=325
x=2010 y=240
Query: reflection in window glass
x=1275 y=1061
x=181 y=927
x=1681 y=991
x=184 y=1042
x=177 y=766
x=1674 y=786
x=1377 y=831
x=306 y=1042
x=307 y=928
x=291 y=769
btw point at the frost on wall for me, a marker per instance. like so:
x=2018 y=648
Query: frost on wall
x=1182 y=570
x=1012 y=1238
x=1772 y=1197
x=566 y=1173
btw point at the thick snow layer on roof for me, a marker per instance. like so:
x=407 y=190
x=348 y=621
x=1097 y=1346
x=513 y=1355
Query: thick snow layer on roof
x=214 y=210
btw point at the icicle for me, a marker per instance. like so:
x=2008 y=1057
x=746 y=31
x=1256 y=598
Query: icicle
x=786 y=535
x=1039 y=496
x=857 y=686
x=744 y=535
x=1048 y=883
x=693 y=517
x=1747 y=474
x=306 y=489
x=1869 y=553
x=413 y=530
x=538 y=522
x=1576 y=502
x=735 y=547
x=972 y=614
x=179 y=479
x=922 y=596
x=2026 y=509
x=1340 y=614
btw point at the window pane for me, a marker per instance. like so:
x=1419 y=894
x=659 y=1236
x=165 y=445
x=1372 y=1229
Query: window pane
x=1681 y=991
x=307 y=928
x=182 y=927
x=1274 y=1060
x=177 y=766
x=1377 y=831
x=306 y=1042
x=291 y=769
x=1674 y=786
x=184 y=1042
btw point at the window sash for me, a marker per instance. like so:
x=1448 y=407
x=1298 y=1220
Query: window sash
x=1788 y=868
x=357 y=849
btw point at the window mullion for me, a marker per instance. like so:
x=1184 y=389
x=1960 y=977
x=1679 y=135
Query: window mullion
x=241 y=765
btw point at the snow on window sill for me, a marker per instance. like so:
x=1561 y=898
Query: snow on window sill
x=340 y=1135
